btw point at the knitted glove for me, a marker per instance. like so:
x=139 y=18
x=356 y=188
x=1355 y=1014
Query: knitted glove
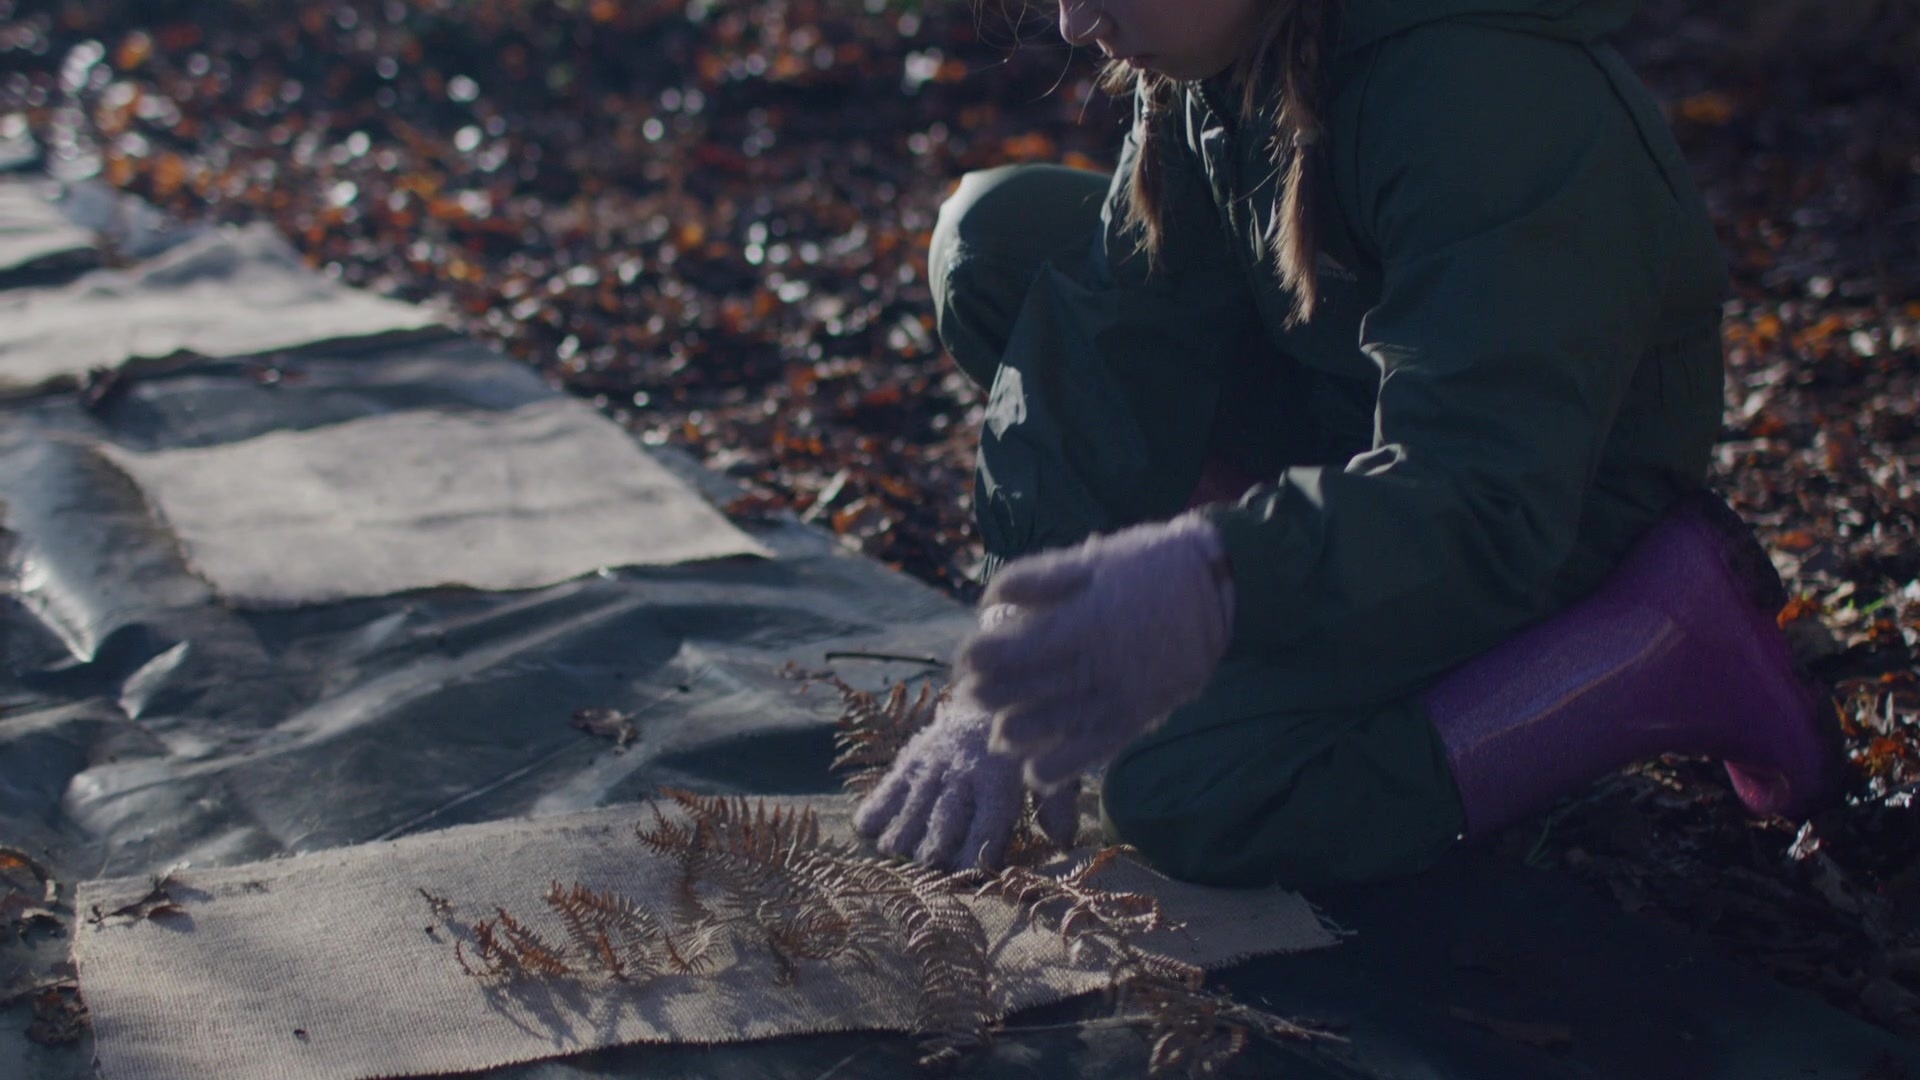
x=951 y=803
x=1109 y=637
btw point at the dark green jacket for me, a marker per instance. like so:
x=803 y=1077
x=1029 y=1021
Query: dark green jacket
x=1515 y=366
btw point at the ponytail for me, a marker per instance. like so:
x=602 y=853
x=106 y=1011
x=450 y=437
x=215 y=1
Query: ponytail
x=1287 y=62
x=1295 y=243
x=1146 y=208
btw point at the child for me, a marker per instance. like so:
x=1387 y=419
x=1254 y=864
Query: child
x=1412 y=308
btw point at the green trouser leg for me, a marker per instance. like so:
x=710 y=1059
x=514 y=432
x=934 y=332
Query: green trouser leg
x=994 y=233
x=998 y=237
x=1268 y=777
x=1243 y=787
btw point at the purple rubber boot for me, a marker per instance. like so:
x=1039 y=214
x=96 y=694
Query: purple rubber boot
x=1678 y=652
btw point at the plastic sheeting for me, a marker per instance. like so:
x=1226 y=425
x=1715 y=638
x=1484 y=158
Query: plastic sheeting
x=240 y=735
x=143 y=722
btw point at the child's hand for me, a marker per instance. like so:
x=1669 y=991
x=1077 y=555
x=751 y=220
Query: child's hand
x=951 y=803
x=1109 y=637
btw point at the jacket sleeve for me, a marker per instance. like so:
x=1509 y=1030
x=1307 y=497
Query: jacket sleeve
x=1519 y=222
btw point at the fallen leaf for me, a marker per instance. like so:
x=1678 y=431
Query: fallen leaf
x=156 y=904
x=607 y=723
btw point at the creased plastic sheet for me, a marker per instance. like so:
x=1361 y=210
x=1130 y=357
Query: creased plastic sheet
x=232 y=292
x=33 y=230
x=145 y=721
x=323 y=967
x=422 y=499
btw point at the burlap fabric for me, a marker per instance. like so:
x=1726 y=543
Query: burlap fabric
x=334 y=965
x=421 y=499
x=229 y=293
x=33 y=231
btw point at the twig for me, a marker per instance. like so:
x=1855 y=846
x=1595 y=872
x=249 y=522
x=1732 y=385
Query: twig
x=25 y=992
x=844 y=1062
x=901 y=658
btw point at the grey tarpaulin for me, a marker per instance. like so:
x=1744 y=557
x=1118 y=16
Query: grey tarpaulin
x=238 y=735
x=142 y=722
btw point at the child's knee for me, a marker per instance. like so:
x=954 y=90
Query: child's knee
x=983 y=214
x=975 y=295
x=1167 y=817
x=1017 y=208
x=1256 y=815
x=1000 y=224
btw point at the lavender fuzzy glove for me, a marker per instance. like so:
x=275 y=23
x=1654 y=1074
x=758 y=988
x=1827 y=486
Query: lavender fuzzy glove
x=951 y=803
x=1108 y=638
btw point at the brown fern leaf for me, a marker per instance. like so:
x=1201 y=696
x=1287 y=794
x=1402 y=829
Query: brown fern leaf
x=749 y=853
x=1195 y=1031
x=1188 y=1035
x=807 y=933
x=609 y=930
x=460 y=957
x=945 y=943
x=691 y=952
x=492 y=958
x=684 y=843
x=1077 y=908
x=1131 y=913
x=529 y=951
x=742 y=828
x=506 y=949
x=885 y=907
x=666 y=837
x=760 y=862
x=872 y=731
x=1144 y=968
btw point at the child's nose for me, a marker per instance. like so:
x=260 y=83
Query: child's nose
x=1082 y=21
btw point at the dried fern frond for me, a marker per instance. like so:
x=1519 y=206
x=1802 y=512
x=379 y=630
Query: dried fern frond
x=815 y=933
x=944 y=941
x=692 y=951
x=744 y=854
x=719 y=827
x=506 y=948
x=872 y=730
x=1076 y=907
x=758 y=875
x=622 y=938
x=833 y=902
x=1195 y=1031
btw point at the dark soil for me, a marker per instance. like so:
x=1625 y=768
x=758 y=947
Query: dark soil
x=711 y=219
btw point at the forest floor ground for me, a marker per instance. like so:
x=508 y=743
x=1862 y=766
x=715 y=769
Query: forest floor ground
x=711 y=219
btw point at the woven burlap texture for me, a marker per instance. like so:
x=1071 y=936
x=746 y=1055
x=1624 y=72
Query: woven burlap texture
x=421 y=499
x=32 y=228
x=335 y=965
x=229 y=293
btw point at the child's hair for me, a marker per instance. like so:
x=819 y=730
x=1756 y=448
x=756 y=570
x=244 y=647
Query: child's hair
x=1285 y=60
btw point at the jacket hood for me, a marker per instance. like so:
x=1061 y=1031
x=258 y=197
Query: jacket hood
x=1364 y=22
